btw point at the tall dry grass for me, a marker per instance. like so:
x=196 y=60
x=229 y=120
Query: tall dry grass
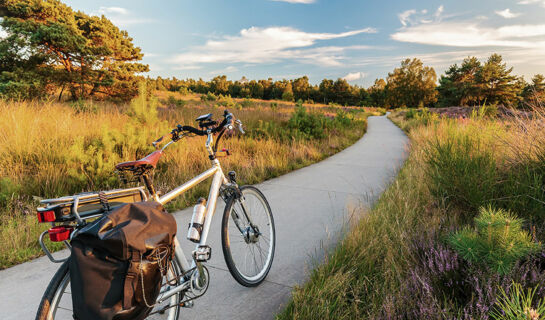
x=51 y=149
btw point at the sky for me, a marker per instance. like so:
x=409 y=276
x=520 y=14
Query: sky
x=358 y=40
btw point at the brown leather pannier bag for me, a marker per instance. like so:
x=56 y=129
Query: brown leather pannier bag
x=118 y=262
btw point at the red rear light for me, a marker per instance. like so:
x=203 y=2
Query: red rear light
x=46 y=216
x=60 y=233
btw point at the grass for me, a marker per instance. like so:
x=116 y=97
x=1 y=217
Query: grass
x=396 y=263
x=50 y=149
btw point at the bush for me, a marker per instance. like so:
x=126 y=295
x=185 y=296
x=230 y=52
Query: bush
x=174 y=102
x=311 y=125
x=184 y=91
x=226 y=101
x=498 y=241
x=209 y=97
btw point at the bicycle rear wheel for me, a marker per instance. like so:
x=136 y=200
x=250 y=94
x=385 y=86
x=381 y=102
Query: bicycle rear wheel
x=248 y=237
x=56 y=302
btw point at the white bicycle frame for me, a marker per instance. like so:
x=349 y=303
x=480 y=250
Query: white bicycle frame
x=218 y=181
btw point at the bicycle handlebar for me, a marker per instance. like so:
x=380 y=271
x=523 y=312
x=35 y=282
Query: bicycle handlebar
x=227 y=124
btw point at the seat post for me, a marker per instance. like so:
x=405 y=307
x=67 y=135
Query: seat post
x=149 y=185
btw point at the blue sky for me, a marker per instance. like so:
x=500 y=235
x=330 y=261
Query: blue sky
x=359 y=40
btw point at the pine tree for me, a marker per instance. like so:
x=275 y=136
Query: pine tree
x=87 y=55
x=497 y=84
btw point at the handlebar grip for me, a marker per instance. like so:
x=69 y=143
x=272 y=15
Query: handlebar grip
x=228 y=120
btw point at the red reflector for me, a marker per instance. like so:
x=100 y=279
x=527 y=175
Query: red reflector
x=60 y=233
x=46 y=216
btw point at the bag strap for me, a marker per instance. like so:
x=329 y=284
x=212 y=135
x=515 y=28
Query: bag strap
x=131 y=280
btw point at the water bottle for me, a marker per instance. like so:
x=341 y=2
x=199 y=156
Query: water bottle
x=195 y=227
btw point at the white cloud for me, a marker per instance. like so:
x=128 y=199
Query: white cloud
x=114 y=10
x=272 y=44
x=352 y=76
x=542 y=2
x=412 y=17
x=507 y=14
x=296 y=1
x=466 y=34
x=405 y=16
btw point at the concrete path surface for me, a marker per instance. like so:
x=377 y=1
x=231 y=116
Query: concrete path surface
x=310 y=207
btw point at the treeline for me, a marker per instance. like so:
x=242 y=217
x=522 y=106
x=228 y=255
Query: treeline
x=410 y=85
x=328 y=91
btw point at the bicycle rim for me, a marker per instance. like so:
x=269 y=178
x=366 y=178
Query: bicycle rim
x=250 y=259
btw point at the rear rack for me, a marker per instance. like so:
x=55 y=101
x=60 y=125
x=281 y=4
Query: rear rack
x=90 y=204
x=86 y=206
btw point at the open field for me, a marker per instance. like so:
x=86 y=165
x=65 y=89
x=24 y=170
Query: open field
x=51 y=149
x=416 y=254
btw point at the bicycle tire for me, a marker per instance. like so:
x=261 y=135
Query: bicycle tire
x=44 y=310
x=226 y=240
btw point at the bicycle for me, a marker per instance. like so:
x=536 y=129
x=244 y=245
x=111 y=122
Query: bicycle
x=247 y=221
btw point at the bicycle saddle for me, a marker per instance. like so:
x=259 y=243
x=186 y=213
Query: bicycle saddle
x=148 y=161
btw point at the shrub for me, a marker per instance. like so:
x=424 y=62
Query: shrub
x=174 y=102
x=519 y=305
x=226 y=101
x=311 y=125
x=184 y=91
x=209 y=97
x=497 y=242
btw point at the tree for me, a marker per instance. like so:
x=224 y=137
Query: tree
x=496 y=82
x=459 y=87
x=219 y=85
x=534 y=93
x=412 y=85
x=326 y=90
x=256 y=89
x=301 y=88
x=287 y=94
x=88 y=55
x=341 y=91
x=377 y=94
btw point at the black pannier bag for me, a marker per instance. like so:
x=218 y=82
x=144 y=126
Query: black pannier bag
x=118 y=261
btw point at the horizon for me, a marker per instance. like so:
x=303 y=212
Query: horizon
x=360 y=42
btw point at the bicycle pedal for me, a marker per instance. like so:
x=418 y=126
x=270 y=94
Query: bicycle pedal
x=202 y=254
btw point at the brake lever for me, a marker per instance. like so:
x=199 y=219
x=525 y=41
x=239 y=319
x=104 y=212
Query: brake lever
x=156 y=142
x=239 y=126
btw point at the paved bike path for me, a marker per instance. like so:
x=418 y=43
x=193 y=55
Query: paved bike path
x=311 y=208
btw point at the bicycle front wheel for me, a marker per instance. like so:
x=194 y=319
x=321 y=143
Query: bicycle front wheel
x=56 y=302
x=248 y=237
